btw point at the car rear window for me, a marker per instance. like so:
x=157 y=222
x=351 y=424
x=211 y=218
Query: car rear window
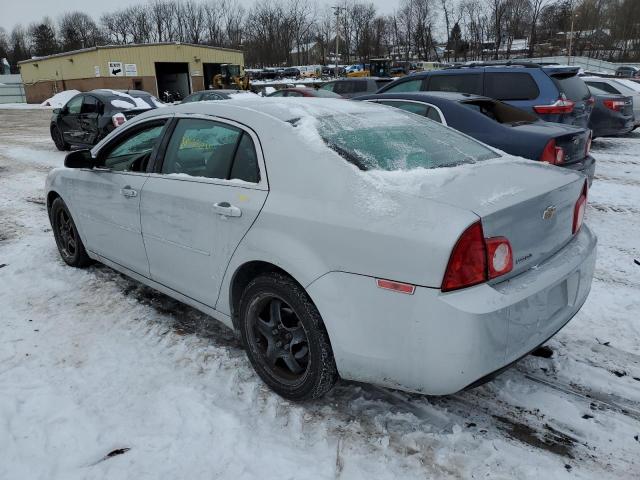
x=510 y=86
x=463 y=83
x=397 y=140
x=501 y=112
x=572 y=86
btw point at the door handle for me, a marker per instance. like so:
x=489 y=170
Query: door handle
x=226 y=209
x=129 y=192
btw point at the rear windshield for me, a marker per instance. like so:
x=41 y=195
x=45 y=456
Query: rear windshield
x=572 y=86
x=396 y=140
x=501 y=112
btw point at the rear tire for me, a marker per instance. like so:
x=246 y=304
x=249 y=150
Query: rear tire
x=66 y=234
x=285 y=338
x=58 y=139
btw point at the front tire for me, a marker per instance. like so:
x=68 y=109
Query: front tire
x=66 y=234
x=58 y=139
x=285 y=338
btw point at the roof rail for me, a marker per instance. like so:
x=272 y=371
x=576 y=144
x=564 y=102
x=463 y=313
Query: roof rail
x=496 y=64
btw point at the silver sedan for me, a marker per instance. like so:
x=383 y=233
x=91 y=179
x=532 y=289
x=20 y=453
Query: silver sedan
x=338 y=238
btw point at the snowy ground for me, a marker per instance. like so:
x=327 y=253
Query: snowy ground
x=92 y=363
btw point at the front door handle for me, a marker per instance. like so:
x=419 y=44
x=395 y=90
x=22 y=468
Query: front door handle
x=226 y=209
x=128 y=192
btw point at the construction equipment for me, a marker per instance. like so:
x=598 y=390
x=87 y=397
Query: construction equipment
x=230 y=77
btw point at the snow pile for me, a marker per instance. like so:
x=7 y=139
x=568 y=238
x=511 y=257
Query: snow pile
x=60 y=99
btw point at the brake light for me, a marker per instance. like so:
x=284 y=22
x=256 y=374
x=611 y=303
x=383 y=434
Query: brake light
x=468 y=261
x=552 y=154
x=396 y=286
x=560 y=106
x=615 y=105
x=499 y=256
x=578 y=210
x=118 y=119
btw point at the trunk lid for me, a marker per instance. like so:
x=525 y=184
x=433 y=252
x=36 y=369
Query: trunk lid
x=511 y=197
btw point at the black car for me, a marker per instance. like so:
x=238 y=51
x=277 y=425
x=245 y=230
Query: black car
x=554 y=93
x=500 y=125
x=89 y=117
x=221 y=94
x=351 y=87
x=612 y=114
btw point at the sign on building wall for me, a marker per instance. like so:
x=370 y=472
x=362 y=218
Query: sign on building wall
x=96 y=70
x=130 y=69
x=115 y=69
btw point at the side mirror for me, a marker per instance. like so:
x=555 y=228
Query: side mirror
x=80 y=159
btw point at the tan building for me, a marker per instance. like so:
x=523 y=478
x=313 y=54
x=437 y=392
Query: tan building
x=154 y=67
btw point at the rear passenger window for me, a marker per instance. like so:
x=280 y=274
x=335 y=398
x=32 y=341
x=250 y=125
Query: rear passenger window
x=464 y=83
x=343 y=87
x=510 y=86
x=408 y=86
x=245 y=163
x=360 y=87
x=201 y=148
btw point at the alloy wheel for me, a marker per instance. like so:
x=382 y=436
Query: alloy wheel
x=67 y=234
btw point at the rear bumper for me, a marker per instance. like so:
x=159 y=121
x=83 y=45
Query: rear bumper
x=587 y=166
x=439 y=343
x=614 y=127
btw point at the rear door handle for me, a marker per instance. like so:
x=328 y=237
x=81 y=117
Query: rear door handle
x=128 y=192
x=226 y=209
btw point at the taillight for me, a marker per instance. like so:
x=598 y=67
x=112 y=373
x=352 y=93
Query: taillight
x=578 y=210
x=499 y=256
x=552 y=154
x=615 y=105
x=396 y=286
x=475 y=259
x=118 y=119
x=561 y=106
x=468 y=261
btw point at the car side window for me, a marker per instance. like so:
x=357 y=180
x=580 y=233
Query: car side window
x=343 y=87
x=201 y=148
x=279 y=93
x=245 y=162
x=510 y=86
x=408 y=86
x=329 y=86
x=293 y=93
x=418 y=108
x=132 y=154
x=75 y=105
x=90 y=105
x=463 y=83
x=434 y=115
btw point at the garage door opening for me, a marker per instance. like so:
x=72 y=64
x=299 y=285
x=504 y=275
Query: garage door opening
x=173 y=78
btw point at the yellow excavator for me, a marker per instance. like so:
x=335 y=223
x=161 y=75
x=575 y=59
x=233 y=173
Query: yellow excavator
x=230 y=77
x=377 y=67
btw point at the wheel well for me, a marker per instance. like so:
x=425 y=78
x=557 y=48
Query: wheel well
x=51 y=196
x=243 y=276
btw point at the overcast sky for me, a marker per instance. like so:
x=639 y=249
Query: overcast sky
x=27 y=11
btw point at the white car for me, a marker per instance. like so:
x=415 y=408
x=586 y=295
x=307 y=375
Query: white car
x=338 y=238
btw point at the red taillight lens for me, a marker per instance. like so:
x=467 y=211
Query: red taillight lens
x=118 y=119
x=615 y=105
x=396 y=286
x=468 y=261
x=578 y=210
x=499 y=256
x=561 y=106
x=552 y=154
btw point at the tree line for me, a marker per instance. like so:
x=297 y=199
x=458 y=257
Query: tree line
x=294 y=32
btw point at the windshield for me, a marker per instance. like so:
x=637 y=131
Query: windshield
x=396 y=140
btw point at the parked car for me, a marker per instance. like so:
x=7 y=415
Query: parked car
x=500 y=125
x=618 y=86
x=290 y=72
x=338 y=238
x=612 y=115
x=553 y=93
x=89 y=117
x=220 y=94
x=303 y=92
x=628 y=72
x=352 y=87
x=330 y=71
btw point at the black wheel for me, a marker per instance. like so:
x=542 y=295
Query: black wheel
x=66 y=234
x=58 y=139
x=285 y=338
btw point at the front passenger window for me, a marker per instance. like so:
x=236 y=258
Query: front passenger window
x=74 y=105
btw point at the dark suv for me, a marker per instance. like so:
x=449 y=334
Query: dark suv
x=554 y=93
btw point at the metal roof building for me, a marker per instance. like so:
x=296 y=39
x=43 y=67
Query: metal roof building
x=154 y=67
